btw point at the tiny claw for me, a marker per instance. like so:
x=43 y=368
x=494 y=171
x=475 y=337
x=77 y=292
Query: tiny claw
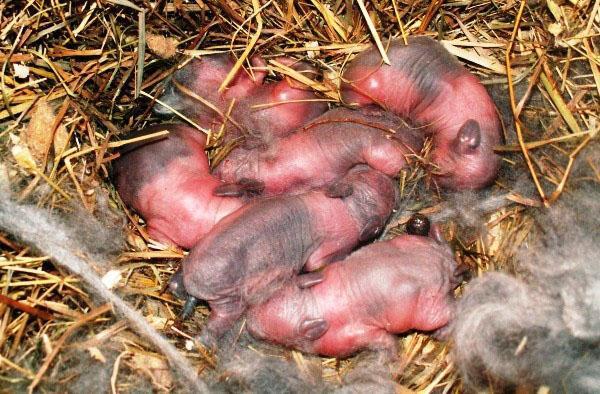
x=339 y=190
x=305 y=281
x=188 y=307
x=372 y=227
x=418 y=224
x=313 y=329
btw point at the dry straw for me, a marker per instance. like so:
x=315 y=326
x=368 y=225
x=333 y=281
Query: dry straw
x=90 y=62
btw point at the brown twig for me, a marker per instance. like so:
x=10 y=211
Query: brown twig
x=25 y=308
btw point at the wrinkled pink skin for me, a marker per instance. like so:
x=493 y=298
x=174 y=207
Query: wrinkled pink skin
x=322 y=152
x=168 y=182
x=258 y=124
x=250 y=253
x=382 y=289
x=431 y=88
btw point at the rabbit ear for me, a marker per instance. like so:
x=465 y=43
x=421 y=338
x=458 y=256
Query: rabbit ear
x=313 y=329
x=468 y=138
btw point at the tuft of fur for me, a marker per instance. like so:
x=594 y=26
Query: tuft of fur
x=250 y=372
x=266 y=369
x=470 y=208
x=91 y=376
x=543 y=328
x=250 y=366
x=369 y=375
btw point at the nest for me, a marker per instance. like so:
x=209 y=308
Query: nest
x=78 y=76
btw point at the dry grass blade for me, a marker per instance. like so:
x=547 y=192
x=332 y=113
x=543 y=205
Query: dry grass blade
x=373 y=30
x=587 y=45
x=400 y=25
x=27 y=373
x=486 y=62
x=559 y=189
x=286 y=70
x=207 y=103
x=558 y=101
x=536 y=144
x=331 y=20
x=141 y=54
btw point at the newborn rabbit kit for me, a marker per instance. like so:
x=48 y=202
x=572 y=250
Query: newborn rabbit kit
x=272 y=227
x=254 y=196
x=276 y=193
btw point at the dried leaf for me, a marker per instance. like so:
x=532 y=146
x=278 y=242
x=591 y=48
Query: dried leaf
x=61 y=138
x=472 y=56
x=165 y=47
x=429 y=347
x=555 y=29
x=157 y=321
x=554 y=9
x=59 y=307
x=136 y=242
x=38 y=135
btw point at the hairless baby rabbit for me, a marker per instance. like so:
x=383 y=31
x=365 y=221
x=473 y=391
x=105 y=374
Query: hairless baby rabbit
x=320 y=153
x=168 y=182
x=381 y=289
x=431 y=88
x=262 y=110
x=253 y=251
